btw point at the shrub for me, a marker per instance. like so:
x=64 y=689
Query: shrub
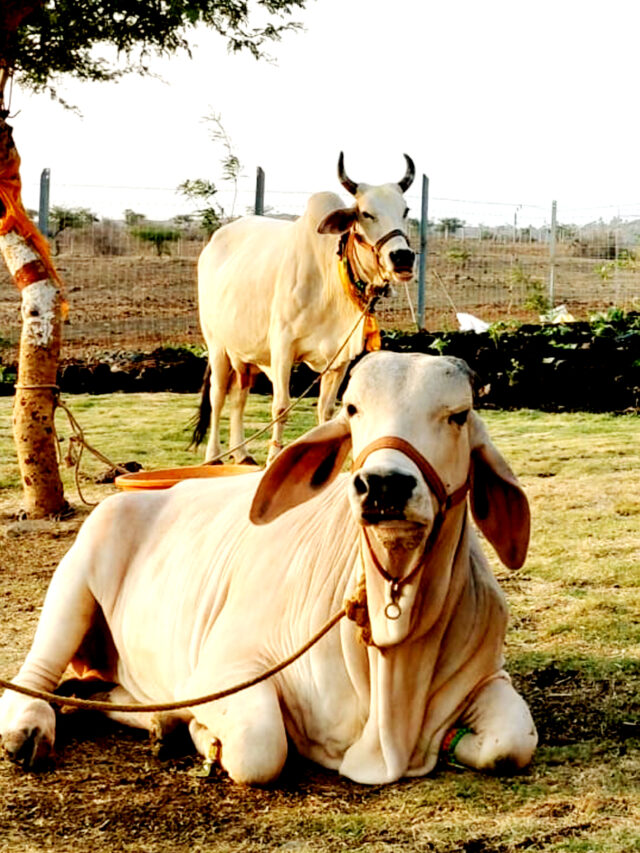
x=158 y=235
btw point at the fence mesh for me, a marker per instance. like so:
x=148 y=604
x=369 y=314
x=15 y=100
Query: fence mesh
x=128 y=293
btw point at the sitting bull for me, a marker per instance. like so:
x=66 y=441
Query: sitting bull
x=212 y=582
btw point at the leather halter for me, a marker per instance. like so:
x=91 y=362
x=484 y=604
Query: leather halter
x=357 y=286
x=397 y=232
x=377 y=246
x=446 y=501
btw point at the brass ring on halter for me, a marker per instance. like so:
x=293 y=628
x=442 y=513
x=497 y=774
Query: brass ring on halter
x=392 y=611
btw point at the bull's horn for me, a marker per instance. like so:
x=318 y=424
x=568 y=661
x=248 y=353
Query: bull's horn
x=409 y=175
x=345 y=180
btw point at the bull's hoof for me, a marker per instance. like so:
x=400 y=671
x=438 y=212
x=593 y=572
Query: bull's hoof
x=248 y=460
x=168 y=736
x=28 y=747
x=215 y=462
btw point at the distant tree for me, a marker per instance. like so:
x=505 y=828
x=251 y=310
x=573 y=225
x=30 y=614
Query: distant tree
x=62 y=218
x=527 y=235
x=40 y=42
x=566 y=232
x=183 y=220
x=201 y=191
x=449 y=226
x=212 y=216
x=158 y=235
x=131 y=218
x=231 y=166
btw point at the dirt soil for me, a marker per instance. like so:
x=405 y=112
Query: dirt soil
x=139 y=302
x=107 y=790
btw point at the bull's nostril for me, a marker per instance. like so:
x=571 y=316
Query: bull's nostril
x=384 y=495
x=360 y=485
x=402 y=258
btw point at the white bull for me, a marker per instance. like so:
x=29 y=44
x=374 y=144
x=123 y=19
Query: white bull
x=188 y=596
x=273 y=293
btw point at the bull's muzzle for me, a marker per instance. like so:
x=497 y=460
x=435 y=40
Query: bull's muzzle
x=402 y=261
x=383 y=496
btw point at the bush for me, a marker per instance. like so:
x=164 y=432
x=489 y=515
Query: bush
x=158 y=235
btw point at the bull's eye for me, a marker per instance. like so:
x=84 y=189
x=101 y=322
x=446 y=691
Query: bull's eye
x=367 y=215
x=459 y=418
x=406 y=213
x=351 y=410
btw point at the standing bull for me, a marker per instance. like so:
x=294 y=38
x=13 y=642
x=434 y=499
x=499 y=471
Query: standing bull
x=272 y=293
x=176 y=594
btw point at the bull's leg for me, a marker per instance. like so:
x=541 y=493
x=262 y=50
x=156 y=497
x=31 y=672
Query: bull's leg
x=245 y=733
x=27 y=725
x=160 y=725
x=238 y=394
x=329 y=387
x=220 y=373
x=502 y=736
x=281 y=374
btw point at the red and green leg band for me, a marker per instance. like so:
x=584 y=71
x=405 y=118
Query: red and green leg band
x=451 y=741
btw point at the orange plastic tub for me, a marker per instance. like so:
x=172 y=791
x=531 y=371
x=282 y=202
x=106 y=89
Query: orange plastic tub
x=164 y=478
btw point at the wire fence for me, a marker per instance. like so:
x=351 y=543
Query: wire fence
x=131 y=291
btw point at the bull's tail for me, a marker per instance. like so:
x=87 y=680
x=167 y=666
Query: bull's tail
x=201 y=421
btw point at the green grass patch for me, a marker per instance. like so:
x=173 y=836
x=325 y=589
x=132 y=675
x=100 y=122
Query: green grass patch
x=579 y=592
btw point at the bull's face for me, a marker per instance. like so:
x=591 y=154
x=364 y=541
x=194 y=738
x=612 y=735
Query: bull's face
x=416 y=444
x=408 y=457
x=381 y=222
x=429 y=408
x=378 y=220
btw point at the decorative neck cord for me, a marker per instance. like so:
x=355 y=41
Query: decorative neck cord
x=355 y=287
x=446 y=501
x=358 y=291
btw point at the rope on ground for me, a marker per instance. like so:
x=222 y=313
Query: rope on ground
x=77 y=441
x=95 y=705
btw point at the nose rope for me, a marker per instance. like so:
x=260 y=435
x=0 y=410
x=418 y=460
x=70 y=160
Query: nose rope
x=445 y=501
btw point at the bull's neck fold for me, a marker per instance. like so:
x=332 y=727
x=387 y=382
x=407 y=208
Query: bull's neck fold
x=422 y=667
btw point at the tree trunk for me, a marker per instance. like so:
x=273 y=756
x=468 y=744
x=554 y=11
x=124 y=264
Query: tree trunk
x=26 y=254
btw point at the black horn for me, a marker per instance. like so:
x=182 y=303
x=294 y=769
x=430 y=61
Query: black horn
x=409 y=175
x=345 y=180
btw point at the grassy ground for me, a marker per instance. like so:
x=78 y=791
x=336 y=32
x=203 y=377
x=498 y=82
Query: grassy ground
x=573 y=648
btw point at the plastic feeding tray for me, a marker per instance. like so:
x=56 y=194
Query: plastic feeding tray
x=164 y=478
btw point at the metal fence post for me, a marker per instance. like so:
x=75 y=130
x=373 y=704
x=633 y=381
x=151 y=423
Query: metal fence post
x=422 y=266
x=552 y=254
x=259 y=204
x=43 y=210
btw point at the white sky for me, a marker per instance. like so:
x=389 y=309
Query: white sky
x=507 y=103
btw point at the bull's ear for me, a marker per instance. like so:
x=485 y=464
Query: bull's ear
x=499 y=506
x=338 y=221
x=301 y=470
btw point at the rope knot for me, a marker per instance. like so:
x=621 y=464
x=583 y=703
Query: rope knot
x=357 y=610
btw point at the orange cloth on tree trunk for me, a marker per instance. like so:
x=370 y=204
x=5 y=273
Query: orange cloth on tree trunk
x=17 y=219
